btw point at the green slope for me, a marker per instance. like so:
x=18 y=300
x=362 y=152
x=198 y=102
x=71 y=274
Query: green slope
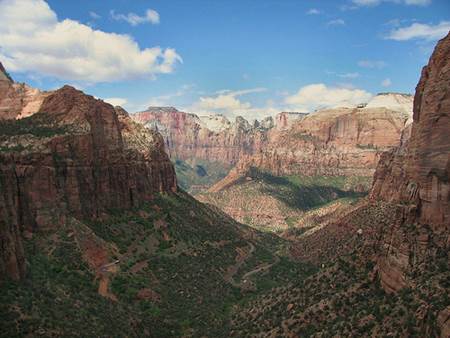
x=175 y=246
x=198 y=175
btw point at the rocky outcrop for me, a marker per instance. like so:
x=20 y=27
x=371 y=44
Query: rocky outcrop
x=334 y=142
x=417 y=177
x=285 y=120
x=78 y=156
x=18 y=100
x=393 y=101
x=211 y=138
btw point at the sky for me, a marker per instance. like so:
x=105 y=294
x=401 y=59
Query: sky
x=237 y=57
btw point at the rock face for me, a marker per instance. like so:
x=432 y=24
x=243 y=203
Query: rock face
x=17 y=100
x=393 y=101
x=76 y=156
x=211 y=138
x=416 y=176
x=334 y=142
x=284 y=120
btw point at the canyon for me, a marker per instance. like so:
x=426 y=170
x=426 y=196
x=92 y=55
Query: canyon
x=99 y=238
x=396 y=241
x=336 y=142
x=73 y=155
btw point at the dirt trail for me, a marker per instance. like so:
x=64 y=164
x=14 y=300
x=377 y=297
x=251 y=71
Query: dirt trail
x=104 y=272
x=241 y=257
x=245 y=283
x=262 y=267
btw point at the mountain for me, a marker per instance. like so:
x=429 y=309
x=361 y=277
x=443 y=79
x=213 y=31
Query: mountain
x=384 y=265
x=204 y=148
x=393 y=101
x=97 y=239
x=211 y=138
x=284 y=120
x=334 y=142
x=343 y=144
x=75 y=155
x=17 y=100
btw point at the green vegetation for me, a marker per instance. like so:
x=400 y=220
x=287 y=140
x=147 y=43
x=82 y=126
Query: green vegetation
x=17 y=148
x=199 y=174
x=366 y=146
x=345 y=299
x=307 y=192
x=39 y=125
x=174 y=246
x=288 y=198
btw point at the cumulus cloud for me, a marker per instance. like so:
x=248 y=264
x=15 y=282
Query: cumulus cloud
x=33 y=40
x=366 y=3
x=116 y=101
x=420 y=31
x=226 y=101
x=133 y=19
x=319 y=96
x=336 y=22
x=230 y=103
x=386 y=82
x=372 y=64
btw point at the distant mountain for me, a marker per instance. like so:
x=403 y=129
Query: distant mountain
x=393 y=101
x=384 y=264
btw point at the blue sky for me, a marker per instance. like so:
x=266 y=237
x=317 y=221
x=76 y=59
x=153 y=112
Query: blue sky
x=248 y=57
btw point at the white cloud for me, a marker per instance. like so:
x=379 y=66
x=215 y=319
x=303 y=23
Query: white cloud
x=133 y=19
x=33 y=40
x=420 y=31
x=372 y=64
x=94 y=15
x=313 y=11
x=318 y=96
x=116 y=101
x=349 y=75
x=366 y=3
x=337 y=22
x=227 y=101
x=386 y=82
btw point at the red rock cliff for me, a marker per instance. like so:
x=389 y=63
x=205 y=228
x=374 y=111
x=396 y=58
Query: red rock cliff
x=416 y=176
x=188 y=136
x=331 y=142
x=418 y=173
x=77 y=156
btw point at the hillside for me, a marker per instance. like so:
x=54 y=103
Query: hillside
x=280 y=203
x=97 y=239
x=152 y=271
x=385 y=265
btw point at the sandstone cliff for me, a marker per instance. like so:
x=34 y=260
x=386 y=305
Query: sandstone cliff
x=333 y=142
x=416 y=176
x=75 y=156
x=17 y=100
x=212 y=138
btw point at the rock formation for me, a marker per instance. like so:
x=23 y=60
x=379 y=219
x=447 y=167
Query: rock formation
x=333 y=142
x=17 y=100
x=416 y=176
x=285 y=120
x=75 y=156
x=394 y=101
x=212 y=138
